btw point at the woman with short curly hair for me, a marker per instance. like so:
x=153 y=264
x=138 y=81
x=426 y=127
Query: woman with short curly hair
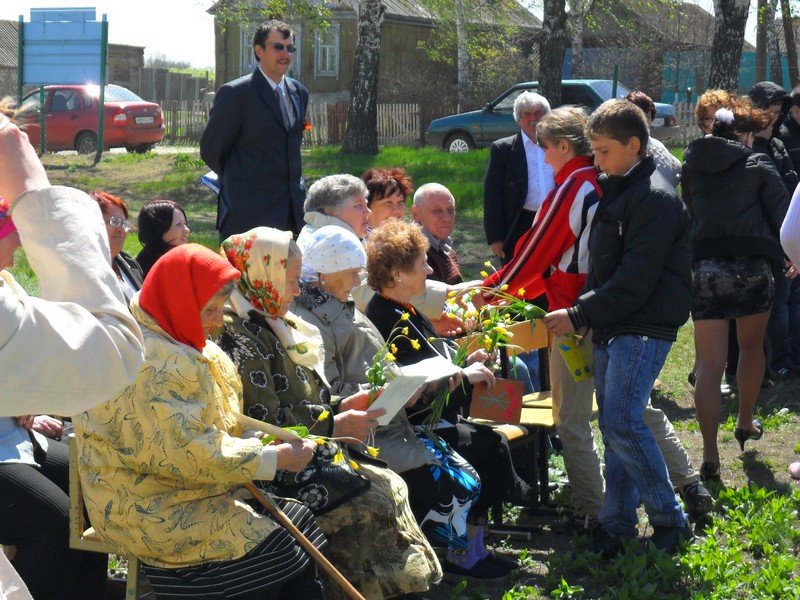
x=389 y=189
x=397 y=268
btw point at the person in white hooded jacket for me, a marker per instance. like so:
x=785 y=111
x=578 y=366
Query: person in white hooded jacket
x=77 y=345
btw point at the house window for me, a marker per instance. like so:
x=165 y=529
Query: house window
x=326 y=57
x=248 y=60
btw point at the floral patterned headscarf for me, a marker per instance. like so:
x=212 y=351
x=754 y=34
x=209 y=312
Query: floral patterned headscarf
x=261 y=256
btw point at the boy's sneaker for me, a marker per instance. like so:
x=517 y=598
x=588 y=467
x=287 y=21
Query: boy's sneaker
x=482 y=571
x=575 y=524
x=606 y=544
x=697 y=499
x=669 y=539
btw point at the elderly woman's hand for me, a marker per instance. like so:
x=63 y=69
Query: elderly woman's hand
x=481 y=356
x=356 y=423
x=478 y=372
x=294 y=456
x=48 y=426
x=448 y=326
x=21 y=169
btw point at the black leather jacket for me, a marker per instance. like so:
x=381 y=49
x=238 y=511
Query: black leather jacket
x=790 y=136
x=640 y=277
x=737 y=200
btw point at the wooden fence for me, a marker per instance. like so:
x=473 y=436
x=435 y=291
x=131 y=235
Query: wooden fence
x=398 y=124
x=686 y=121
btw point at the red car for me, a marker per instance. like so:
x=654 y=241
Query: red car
x=71 y=119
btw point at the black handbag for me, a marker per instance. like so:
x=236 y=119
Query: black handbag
x=328 y=481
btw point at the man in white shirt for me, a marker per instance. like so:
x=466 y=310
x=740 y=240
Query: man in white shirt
x=253 y=136
x=517 y=179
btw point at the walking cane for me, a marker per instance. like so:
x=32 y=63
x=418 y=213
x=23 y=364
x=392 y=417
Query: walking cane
x=283 y=520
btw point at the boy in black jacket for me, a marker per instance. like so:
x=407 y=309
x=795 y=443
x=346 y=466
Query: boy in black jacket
x=638 y=295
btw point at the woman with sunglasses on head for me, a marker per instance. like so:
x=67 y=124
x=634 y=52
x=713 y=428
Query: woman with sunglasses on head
x=116 y=219
x=162 y=226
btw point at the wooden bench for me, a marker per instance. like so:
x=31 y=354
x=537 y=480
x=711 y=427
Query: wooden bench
x=86 y=538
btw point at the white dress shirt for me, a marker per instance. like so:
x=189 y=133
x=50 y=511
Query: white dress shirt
x=541 y=178
x=284 y=92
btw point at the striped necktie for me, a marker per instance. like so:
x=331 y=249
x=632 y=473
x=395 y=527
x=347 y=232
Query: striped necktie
x=287 y=119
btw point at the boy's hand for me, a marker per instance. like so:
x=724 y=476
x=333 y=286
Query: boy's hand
x=558 y=322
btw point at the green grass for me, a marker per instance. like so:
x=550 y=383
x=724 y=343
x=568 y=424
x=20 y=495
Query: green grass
x=461 y=173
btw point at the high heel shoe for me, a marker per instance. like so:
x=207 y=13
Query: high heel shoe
x=709 y=472
x=742 y=435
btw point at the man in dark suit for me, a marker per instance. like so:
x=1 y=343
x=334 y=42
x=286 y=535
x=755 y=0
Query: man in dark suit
x=517 y=179
x=252 y=140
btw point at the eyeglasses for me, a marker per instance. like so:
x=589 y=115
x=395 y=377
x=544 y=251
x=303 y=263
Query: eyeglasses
x=120 y=223
x=291 y=48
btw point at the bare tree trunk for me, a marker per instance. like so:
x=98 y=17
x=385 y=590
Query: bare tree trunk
x=462 y=57
x=730 y=17
x=552 y=47
x=577 y=44
x=362 y=115
x=761 y=41
x=775 y=70
x=791 y=47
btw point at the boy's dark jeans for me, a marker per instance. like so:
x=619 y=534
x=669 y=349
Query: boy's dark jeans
x=624 y=372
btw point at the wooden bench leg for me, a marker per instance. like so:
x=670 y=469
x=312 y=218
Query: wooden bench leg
x=544 y=474
x=132 y=586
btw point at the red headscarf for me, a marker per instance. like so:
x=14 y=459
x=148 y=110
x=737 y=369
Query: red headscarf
x=179 y=286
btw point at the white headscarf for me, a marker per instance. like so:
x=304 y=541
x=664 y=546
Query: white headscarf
x=331 y=249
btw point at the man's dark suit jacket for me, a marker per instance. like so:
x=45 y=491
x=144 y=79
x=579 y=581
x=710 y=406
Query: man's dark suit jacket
x=256 y=158
x=504 y=191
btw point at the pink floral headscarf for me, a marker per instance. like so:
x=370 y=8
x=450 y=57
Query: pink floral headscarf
x=260 y=255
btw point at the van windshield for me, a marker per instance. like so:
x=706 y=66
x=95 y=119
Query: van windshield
x=603 y=89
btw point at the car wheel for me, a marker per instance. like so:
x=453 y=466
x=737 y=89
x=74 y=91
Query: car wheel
x=459 y=142
x=86 y=142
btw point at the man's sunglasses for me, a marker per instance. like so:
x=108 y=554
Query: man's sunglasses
x=291 y=48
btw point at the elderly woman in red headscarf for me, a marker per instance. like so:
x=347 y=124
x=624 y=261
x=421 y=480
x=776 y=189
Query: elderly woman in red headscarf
x=163 y=464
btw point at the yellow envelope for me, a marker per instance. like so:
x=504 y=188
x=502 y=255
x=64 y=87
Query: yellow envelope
x=578 y=358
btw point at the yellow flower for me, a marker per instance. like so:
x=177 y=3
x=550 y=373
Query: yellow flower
x=521 y=292
x=487 y=342
x=320 y=442
x=339 y=457
x=504 y=287
x=431 y=339
x=390 y=357
x=487 y=264
x=353 y=465
x=451 y=294
x=323 y=415
x=484 y=274
x=486 y=322
x=393 y=348
x=451 y=302
x=501 y=330
x=415 y=344
x=373 y=452
x=404 y=316
x=404 y=331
